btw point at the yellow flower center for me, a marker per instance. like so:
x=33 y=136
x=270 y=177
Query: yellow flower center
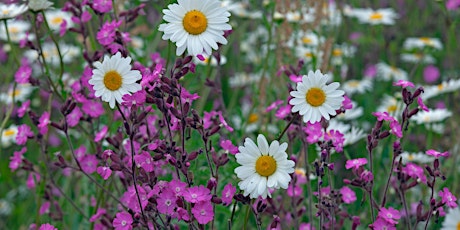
x=411 y=157
x=265 y=166
x=13 y=30
x=315 y=97
x=253 y=118
x=9 y=132
x=15 y=93
x=458 y=225
x=57 y=20
x=376 y=16
x=112 y=80
x=195 y=22
x=308 y=55
x=5 y=11
x=440 y=86
x=306 y=40
x=353 y=83
x=392 y=108
x=426 y=41
x=337 y=52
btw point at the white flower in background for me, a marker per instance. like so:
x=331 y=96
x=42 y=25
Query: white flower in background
x=8 y=11
x=432 y=116
x=351 y=114
x=384 y=16
x=390 y=73
x=240 y=9
x=263 y=167
x=417 y=58
x=204 y=59
x=392 y=106
x=244 y=79
x=5 y=207
x=195 y=25
x=315 y=99
x=444 y=87
x=38 y=5
x=308 y=54
x=20 y=93
x=452 y=219
x=353 y=135
x=56 y=17
x=340 y=52
x=9 y=135
x=357 y=86
x=419 y=157
x=17 y=30
x=422 y=42
x=51 y=54
x=114 y=78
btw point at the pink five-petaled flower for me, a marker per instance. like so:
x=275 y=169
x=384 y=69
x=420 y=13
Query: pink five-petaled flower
x=382 y=224
x=101 y=134
x=24 y=108
x=74 y=117
x=437 y=154
x=337 y=139
x=47 y=227
x=404 y=84
x=137 y=98
x=106 y=34
x=104 y=171
x=93 y=108
x=273 y=105
x=390 y=215
x=396 y=128
x=383 y=116
x=347 y=104
x=348 y=195
x=227 y=194
x=202 y=211
x=177 y=186
x=422 y=105
x=228 y=146
x=16 y=159
x=32 y=179
x=43 y=123
x=102 y=6
x=414 y=171
x=355 y=163
x=166 y=203
x=130 y=198
x=448 y=198
x=197 y=194
x=23 y=74
x=145 y=161
x=98 y=214
x=283 y=111
x=88 y=163
x=24 y=132
x=123 y=221
x=314 y=132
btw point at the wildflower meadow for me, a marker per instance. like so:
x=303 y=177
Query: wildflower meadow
x=229 y=114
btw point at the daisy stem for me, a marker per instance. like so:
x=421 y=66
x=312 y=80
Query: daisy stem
x=287 y=126
x=246 y=217
x=61 y=62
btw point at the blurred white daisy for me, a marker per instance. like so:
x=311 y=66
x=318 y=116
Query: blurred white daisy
x=340 y=52
x=351 y=114
x=422 y=42
x=56 y=17
x=353 y=135
x=5 y=207
x=20 y=93
x=51 y=54
x=431 y=116
x=357 y=86
x=315 y=99
x=263 y=167
x=417 y=58
x=244 y=79
x=205 y=60
x=304 y=38
x=452 y=219
x=419 y=157
x=17 y=29
x=38 y=5
x=444 y=87
x=195 y=25
x=8 y=11
x=9 y=135
x=114 y=78
x=308 y=54
x=384 y=16
x=390 y=73
x=391 y=105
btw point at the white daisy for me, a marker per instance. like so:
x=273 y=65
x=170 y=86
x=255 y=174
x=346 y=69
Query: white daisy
x=114 y=78
x=419 y=157
x=357 y=86
x=422 y=42
x=20 y=93
x=390 y=73
x=340 y=52
x=8 y=11
x=56 y=17
x=263 y=167
x=417 y=58
x=384 y=16
x=391 y=105
x=351 y=114
x=244 y=79
x=17 y=30
x=452 y=220
x=38 y=5
x=314 y=99
x=205 y=59
x=444 y=87
x=9 y=136
x=51 y=54
x=195 y=25
x=432 y=116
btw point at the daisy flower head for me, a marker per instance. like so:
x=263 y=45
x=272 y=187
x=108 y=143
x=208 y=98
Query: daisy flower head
x=263 y=167
x=114 y=78
x=315 y=99
x=385 y=16
x=8 y=11
x=195 y=25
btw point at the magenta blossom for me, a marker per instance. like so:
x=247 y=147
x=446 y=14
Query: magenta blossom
x=227 y=194
x=73 y=118
x=390 y=215
x=24 y=133
x=437 y=154
x=396 y=128
x=145 y=161
x=314 y=132
x=422 y=105
x=273 y=105
x=88 y=163
x=16 y=159
x=102 y=6
x=404 y=84
x=32 y=179
x=47 y=227
x=106 y=34
x=383 y=116
x=166 y=203
x=104 y=171
x=24 y=108
x=23 y=74
x=448 y=198
x=337 y=139
x=283 y=111
x=45 y=208
x=414 y=171
x=44 y=121
x=382 y=224
x=178 y=187
x=228 y=146
x=101 y=134
x=348 y=195
x=355 y=163
x=122 y=221
x=137 y=98
x=99 y=213
x=93 y=108
x=347 y=104
x=431 y=73
x=203 y=212
x=197 y=194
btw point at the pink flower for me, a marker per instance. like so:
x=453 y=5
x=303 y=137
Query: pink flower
x=314 y=132
x=227 y=194
x=122 y=221
x=197 y=194
x=383 y=116
x=137 y=98
x=102 y=6
x=184 y=94
x=16 y=159
x=106 y=34
x=44 y=121
x=98 y=214
x=396 y=128
x=414 y=171
x=101 y=134
x=88 y=163
x=24 y=108
x=306 y=226
x=348 y=195
x=294 y=190
x=337 y=139
x=93 y=108
x=228 y=146
x=45 y=208
x=452 y=4
x=32 y=179
x=347 y=103
x=23 y=74
x=404 y=84
x=448 y=198
x=390 y=215
x=181 y=214
x=382 y=224
x=166 y=203
x=145 y=161
x=273 y=105
x=104 y=171
x=370 y=71
x=422 y=105
x=74 y=117
x=202 y=211
x=47 y=227
x=431 y=74
x=283 y=111
x=437 y=154
x=63 y=28
x=366 y=176
x=24 y=132
x=355 y=163
x=294 y=78
x=129 y=198
x=178 y=187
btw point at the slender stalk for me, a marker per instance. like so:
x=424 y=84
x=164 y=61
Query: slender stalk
x=287 y=126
